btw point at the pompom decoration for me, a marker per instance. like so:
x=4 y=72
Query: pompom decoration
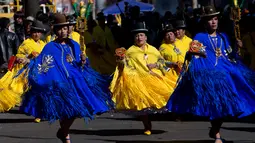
x=11 y=62
x=120 y=52
x=197 y=48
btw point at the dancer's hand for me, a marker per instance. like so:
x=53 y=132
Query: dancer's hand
x=151 y=66
x=23 y=60
x=83 y=58
x=239 y=43
x=69 y=58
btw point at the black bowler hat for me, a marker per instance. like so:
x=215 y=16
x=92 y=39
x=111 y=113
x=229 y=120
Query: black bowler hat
x=209 y=11
x=180 y=24
x=168 y=27
x=71 y=19
x=38 y=26
x=139 y=27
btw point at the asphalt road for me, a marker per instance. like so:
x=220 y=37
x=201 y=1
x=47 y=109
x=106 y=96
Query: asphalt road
x=119 y=128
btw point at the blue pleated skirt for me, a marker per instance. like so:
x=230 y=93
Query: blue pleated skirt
x=214 y=91
x=82 y=95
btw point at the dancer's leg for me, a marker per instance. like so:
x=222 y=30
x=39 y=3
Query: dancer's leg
x=215 y=130
x=63 y=132
x=147 y=124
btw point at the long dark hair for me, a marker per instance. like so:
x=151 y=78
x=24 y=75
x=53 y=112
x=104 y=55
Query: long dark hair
x=4 y=22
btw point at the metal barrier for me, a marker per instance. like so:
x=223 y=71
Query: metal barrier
x=8 y=8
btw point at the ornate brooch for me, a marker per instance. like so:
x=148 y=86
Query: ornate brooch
x=177 y=51
x=46 y=64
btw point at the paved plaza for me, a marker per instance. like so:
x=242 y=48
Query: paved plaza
x=118 y=128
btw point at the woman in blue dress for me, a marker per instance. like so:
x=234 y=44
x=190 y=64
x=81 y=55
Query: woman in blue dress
x=215 y=86
x=62 y=86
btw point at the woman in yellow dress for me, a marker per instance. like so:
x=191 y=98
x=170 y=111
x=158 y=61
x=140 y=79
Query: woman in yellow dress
x=105 y=47
x=141 y=84
x=172 y=50
x=92 y=50
x=12 y=88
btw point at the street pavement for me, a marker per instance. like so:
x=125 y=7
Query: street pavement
x=119 y=128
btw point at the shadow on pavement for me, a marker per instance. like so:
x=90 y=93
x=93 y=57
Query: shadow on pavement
x=117 y=132
x=16 y=120
x=14 y=112
x=186 y=141
x=18 y=137
x=184 y=118
x=246 y=129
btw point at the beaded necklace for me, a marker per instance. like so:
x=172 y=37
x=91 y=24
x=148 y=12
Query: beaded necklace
x=217 y=50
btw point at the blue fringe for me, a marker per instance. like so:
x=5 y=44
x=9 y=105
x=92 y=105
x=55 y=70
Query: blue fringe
x=208 y=93
x=98 y=84
x=73 y=98
x=55 y=102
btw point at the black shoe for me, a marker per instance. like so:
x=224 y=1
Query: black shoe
x=61 y=136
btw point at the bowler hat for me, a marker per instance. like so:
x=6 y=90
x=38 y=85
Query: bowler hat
x=38 y=26
x=209 y=11
x=139 y=27
x=71 y=19
x=179 y=24
x=60 y=20
x=167 y=27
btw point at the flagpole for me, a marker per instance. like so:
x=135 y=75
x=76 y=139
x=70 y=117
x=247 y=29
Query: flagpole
x=235 y=16
x=94 y=10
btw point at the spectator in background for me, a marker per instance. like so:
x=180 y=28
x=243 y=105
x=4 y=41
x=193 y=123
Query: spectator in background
x=19 y=26
x=104 y=38
x=248 y=52
x=116 y=30
x=153 y=23
x=28 y=22
x=9 y=43
x=44 y=18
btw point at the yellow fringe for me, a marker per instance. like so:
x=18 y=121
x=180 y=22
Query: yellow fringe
x=137 y=90
x=11 y=89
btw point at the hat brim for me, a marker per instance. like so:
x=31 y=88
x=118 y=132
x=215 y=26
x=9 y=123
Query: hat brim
x=181 y=27
x=212 y=14
x=62 y=24
x=29 y=20
x=37 y=29
x=72 y=23
x=139 y=30
x=168 y=30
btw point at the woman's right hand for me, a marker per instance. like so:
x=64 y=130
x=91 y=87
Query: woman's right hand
x=119 y=58
x=171 y=64
x=23 y=60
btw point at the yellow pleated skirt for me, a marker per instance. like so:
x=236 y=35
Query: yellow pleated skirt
x=138 y=91
x=11 y=89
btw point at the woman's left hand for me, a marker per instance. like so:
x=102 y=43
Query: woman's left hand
x=151 y=66
x=239 y=43
x=83 y=58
